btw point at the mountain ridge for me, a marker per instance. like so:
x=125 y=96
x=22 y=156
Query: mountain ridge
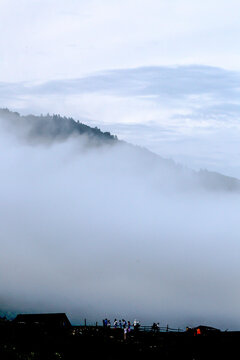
x=52 y=128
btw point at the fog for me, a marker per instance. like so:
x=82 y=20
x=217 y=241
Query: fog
x=97 y=232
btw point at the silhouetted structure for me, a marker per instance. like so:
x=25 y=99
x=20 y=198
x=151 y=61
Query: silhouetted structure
x=205 y=330
x=52 y=320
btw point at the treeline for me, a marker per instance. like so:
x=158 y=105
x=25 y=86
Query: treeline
x=54 y=127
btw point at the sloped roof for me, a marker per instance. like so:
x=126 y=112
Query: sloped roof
x=51 y=319
x=206 y=328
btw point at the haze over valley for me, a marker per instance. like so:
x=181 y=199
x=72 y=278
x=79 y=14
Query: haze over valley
x=96 y=227
x=120 y=160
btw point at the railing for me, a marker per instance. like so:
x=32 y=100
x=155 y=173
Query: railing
x=148 y=328
x=142 y=328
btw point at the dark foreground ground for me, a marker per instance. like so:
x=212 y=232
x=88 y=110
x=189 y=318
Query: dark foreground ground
x=37 y=343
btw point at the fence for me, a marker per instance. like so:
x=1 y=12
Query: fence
x=142 y=328
x=148 y=328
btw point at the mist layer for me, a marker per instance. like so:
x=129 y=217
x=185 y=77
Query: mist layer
x=100 y=231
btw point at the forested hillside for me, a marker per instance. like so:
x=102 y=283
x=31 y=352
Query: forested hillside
x=54 y=127
x=134 y=159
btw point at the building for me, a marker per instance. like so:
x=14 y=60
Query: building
x=49 y=321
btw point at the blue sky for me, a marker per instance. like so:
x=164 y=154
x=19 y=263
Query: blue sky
x=161 y=74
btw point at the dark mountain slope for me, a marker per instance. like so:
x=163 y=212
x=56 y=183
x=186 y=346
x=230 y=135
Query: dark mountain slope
x=53 y=127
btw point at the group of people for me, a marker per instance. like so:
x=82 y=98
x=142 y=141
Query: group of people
x=127 y=326
x=122 y=324
x=155 y=327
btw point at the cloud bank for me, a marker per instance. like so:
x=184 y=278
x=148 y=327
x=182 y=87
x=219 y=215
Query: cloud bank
x=94 y=232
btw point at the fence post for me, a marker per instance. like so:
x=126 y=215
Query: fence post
x=85 y=322
x=167 y=328
x=96 y=324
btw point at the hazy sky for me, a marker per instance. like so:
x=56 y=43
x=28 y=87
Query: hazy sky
x=49 y=39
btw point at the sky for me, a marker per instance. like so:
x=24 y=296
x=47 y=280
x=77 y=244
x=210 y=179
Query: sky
x=51 y=39
x=162 y=74
x=78 y=43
